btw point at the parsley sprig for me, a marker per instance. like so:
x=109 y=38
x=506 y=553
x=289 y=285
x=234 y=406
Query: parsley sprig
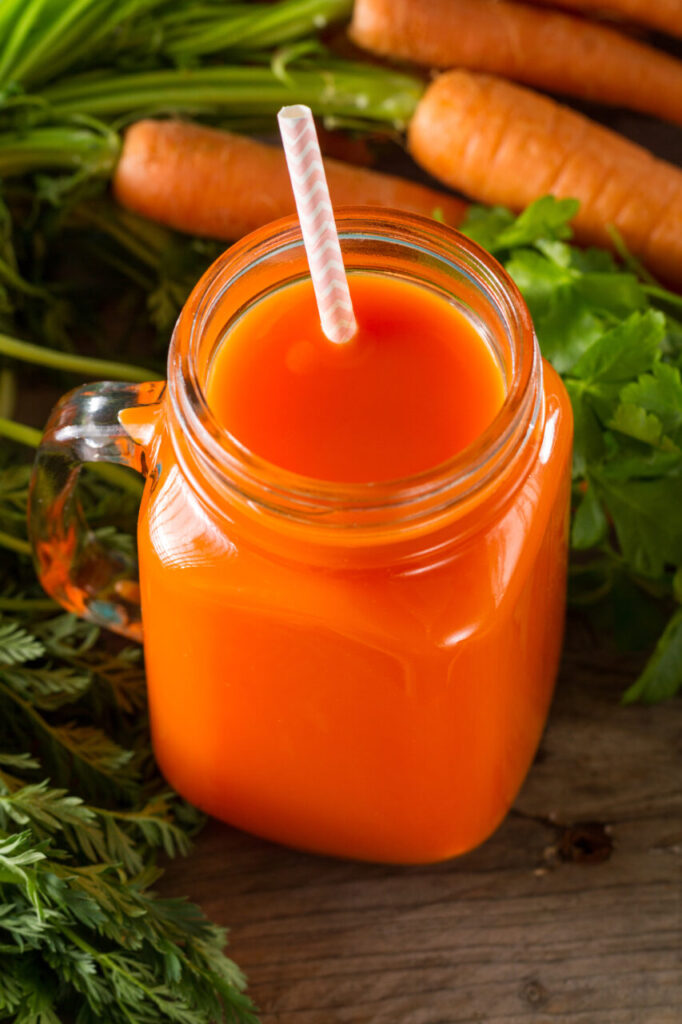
x=615 y=337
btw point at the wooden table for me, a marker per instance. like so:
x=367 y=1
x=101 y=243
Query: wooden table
x=571 y=912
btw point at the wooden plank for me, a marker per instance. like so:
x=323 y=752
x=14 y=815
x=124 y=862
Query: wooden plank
x=571 y=912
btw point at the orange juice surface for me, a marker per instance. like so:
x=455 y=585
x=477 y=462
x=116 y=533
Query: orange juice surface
x=378 y=698
x=414 y=386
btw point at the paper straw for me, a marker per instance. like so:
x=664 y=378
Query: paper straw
x=315 y=213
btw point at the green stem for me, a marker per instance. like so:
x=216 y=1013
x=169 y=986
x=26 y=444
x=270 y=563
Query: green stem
x=141 y=238
x=61 y=148
x=92 y=37
x=119 y=476
x=9 y=276
x=21 y=547
x=341 y=88
x=56 y=36
x=84 y=366
x=60 y=739
x=136 y=817
x=630 y=261
x=124 y=266
x=13 y=45
x=273 y=25
x=10 y=11
x=8 y=391
x=189 y=31
x=662 y=294
x=20 y=432
x=27 y=604
x=105 y=960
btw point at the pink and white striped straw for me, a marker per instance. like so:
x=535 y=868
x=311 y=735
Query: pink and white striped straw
x=315 y=213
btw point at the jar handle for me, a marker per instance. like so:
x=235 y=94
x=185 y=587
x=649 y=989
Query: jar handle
x=83 y=574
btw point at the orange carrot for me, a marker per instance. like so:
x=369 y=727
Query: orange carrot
x=559 y=52
x=663 y=15
x=500 y=143
x=213 y=183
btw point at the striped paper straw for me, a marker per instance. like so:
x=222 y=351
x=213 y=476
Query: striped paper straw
x=315 y=213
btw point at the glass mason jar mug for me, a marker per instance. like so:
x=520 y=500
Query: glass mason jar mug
x=357 y=669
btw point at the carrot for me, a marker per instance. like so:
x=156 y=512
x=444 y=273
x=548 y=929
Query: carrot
x=213 y=183
x=555 y=51
x=500 y=143
x=663 y=15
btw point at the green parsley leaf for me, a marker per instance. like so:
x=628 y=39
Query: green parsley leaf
x=626 y=350
x=565 y=324
x=612 y=293
x=485 y=224
x=662 y=675
x=626 y=463
x=638 y=423
x=546 y=219
x=588 y=435
x=659 y=393
x=589 y=522
x=646 y=519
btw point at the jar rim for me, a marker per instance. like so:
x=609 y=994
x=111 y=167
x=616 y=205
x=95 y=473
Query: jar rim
x=233 y=467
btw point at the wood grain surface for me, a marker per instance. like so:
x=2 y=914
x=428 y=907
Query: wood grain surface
x=571 y=912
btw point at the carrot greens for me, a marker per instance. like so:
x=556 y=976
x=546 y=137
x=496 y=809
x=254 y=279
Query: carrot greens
x=45 y=39
x=82 y=935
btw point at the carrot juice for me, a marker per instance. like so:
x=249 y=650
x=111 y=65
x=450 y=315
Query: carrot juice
x=415 y=385
x=352 y=558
